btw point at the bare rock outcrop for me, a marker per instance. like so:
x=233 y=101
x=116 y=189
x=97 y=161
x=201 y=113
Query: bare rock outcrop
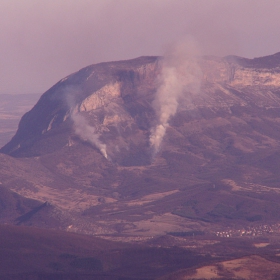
x=114 y=102
x=87 y=143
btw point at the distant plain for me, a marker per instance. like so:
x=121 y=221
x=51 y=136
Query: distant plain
x=12 y=107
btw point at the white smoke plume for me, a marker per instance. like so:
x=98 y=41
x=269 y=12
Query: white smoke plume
x=82 y=128
x=88 y=133
x=180 y=76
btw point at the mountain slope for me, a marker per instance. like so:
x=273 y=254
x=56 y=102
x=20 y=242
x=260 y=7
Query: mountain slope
x=85 y=148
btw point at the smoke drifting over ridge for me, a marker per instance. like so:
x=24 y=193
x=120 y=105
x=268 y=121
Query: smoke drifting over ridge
x=180 y=75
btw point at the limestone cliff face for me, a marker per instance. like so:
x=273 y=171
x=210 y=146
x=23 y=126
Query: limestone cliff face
x=216 y=70
x=238 y=72
x=103 y=93
x=88 y=148
x=101 y=98
x=115 y=100
x=255 y=77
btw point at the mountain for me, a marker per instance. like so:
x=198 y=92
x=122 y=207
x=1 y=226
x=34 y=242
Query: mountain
x=119 y=94
x=176 y=159
x=84 y=153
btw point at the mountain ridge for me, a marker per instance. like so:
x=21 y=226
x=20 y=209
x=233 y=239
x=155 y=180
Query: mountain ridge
x=216 y=166
x=215 y=71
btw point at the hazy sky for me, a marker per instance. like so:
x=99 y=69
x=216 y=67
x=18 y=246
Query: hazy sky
x=42 y=41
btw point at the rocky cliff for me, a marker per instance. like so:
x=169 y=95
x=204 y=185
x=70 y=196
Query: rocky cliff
x=112 y=97
x=89 y=137
x=115 y=99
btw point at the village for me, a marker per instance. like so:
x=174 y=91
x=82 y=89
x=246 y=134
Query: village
x=250 y=231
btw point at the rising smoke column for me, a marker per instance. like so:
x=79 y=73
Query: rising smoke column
x=88 y=133
x=81 y=126
x=180 y=75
